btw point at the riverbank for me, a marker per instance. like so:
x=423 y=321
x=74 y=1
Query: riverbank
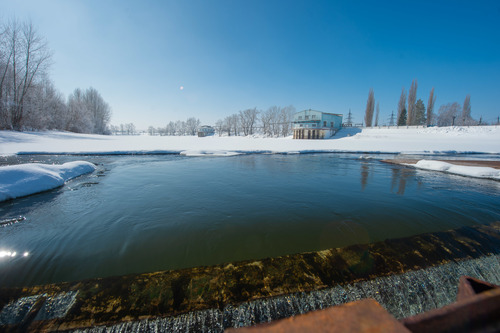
x=432 y=140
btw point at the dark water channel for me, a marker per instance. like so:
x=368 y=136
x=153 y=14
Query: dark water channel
x=148 y=213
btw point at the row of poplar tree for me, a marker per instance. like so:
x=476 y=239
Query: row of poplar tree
x=412 y=112
x=28 y=98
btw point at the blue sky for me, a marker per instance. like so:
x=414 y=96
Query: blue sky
x=233 y=55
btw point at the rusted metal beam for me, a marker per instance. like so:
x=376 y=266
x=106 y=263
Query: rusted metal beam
x=477 y=309
x=361 y=316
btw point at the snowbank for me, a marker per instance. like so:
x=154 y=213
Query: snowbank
x=433 y=140
x=25 y=179
x=469 y=171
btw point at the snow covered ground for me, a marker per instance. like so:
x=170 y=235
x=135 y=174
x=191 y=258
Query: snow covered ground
x=25 y=179
x=484 y=139
x=16 y=181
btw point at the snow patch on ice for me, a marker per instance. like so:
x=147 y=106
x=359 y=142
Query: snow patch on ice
x=468 y=171
x=210 y=153
x=25 y=179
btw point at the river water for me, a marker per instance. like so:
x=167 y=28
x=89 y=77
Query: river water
x=147 y=213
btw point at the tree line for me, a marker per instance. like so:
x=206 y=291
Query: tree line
x=276 y=121
x=413 y=112
x=28 y=98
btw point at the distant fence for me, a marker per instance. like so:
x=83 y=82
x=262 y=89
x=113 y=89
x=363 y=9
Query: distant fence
x=412 y=127
x=383 y=126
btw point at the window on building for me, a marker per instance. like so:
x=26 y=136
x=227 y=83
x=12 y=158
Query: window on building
x=324 y=123
x=331 y=124
x=314 y=125
x=307 y=117
x=300 y=117
x=313 y=116
x=300 y=125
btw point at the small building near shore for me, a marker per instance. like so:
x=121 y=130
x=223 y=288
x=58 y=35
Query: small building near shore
x=205 y=130
x=311 y=124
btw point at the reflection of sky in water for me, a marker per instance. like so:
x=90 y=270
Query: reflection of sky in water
x=149 y=213
x=12 y=254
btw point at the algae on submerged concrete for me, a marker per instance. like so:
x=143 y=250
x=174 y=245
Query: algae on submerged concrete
x=105 y=301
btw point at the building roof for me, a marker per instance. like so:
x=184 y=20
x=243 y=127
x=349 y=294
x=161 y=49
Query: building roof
x=333 y=114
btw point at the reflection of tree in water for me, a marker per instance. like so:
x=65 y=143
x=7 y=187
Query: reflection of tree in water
x=400 y=177
x=365 y=172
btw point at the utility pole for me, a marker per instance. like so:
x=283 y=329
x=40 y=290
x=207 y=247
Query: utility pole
x=349 y=118
x=391 y=120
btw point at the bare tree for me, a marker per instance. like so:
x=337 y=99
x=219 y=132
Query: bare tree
x=269 y=120
x=430 y=108
x=130 y=129
x=286 y=118
x=466 y=113
x=5 y=58
x=447 y=114
x=114 y=129
x=370 y=105
x=98 y=109
x=219 y=127
x=79 y=117
x=28 y=99
x=412 y=99
x=228 y=124
x=277 y=121
x=88 y=112
x=29 y=57
x=180 y=128
x=401 y=108
x=192 y=125
x=170 y=128
x=248 y=118
x=45 y=108
x=235 y=124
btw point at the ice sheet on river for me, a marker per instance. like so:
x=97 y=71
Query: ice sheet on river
x=467 y=171
x=25 y=179
x=214 y=153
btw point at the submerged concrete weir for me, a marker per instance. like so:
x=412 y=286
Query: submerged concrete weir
x=407 y=276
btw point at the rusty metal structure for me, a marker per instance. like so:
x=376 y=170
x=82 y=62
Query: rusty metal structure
x=477 y=309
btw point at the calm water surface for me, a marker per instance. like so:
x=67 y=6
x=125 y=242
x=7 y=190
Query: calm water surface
x=147 y=213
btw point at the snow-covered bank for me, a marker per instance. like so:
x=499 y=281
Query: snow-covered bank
x=434 y=140
x=25 y=179
x=467 y=171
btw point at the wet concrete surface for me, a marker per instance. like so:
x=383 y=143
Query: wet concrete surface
x=239 y=294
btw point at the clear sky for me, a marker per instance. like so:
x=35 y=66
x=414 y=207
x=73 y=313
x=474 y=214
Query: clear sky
x=236 y=54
